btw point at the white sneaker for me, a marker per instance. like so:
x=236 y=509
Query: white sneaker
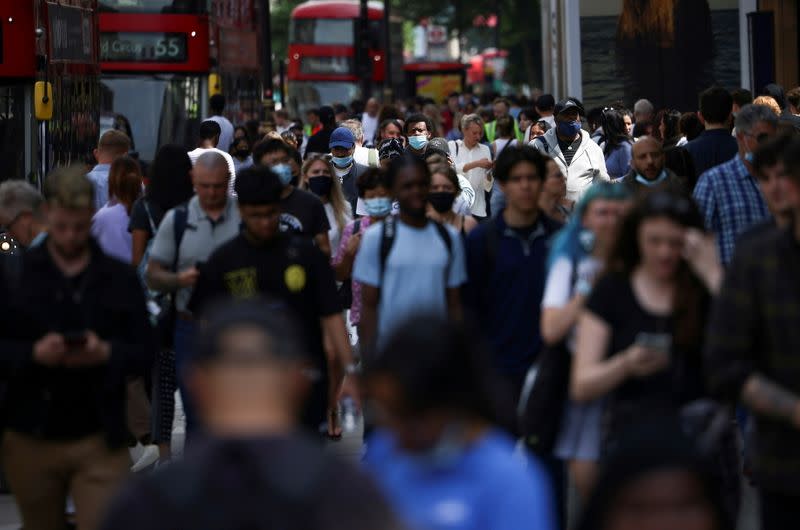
x=144 y=457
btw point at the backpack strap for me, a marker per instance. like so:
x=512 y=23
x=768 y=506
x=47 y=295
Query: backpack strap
x=387 y=240
x=179 y=221
x=448 y=243
x=541 y=141
x=153 y=227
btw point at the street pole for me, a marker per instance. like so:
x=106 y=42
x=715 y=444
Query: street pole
x=266 y=56
x=387 y=53
x=364 y=60
x=497 y=25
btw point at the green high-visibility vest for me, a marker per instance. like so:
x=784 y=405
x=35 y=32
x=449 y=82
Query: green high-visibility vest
x=491 y=131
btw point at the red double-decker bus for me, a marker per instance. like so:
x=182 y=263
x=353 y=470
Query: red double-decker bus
x=53 y=42
x=322 y=53
x=156 y=61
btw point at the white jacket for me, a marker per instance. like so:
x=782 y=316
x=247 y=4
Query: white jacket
x=588 y=165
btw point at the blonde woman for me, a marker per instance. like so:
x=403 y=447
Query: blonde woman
x=318 y=177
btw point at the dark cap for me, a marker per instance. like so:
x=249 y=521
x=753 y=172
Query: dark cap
x=439 y=144
x=342 y=137
x=567 y=104
x=545 y=102
x=270 y=315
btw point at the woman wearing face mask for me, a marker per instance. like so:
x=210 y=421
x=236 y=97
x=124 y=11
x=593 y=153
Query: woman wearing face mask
x=373 y=193
x=616 y=144
x=317 y=177
x=240 y=151
x=577 y=255
x=389 y=129
x=443 y=192
x=640 y=334
x=437 y=454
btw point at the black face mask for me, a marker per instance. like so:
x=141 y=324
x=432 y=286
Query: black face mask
x=320 y=186
x=243 y=153
x=442 y=201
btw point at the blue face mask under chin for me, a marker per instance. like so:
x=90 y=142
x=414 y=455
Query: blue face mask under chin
x=749 y=157
x=284 y=172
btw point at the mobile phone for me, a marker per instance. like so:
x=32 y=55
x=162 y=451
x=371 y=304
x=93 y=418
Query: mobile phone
x=661 y=342
x=75 y=339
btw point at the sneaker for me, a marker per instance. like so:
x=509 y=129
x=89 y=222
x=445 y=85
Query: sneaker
x=143 y=456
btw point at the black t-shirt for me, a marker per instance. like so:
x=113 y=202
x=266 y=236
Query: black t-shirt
x=613 y=301
x=568 y=149
x=139 y=219
x=255 y=483
x=302 y=213
x=290 y=269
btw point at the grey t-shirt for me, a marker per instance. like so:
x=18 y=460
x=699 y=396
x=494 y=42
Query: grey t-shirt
x=200 y=239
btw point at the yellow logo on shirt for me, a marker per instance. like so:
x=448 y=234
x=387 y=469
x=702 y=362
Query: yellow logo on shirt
x=242 y=283
x=295 y=278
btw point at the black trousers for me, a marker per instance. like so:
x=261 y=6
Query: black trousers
x=779 y=511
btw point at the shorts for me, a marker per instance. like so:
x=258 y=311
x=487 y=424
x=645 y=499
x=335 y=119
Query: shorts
x=579 y=438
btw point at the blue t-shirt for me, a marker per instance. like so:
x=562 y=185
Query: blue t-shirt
x=486 y=487
x=416 y=270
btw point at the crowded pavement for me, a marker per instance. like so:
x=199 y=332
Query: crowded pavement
x=497 y=309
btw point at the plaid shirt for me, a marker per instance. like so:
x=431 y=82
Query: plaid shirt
x=754 y=329
x=731 y=203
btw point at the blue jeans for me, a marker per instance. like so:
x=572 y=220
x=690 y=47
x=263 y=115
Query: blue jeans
x=184 y=342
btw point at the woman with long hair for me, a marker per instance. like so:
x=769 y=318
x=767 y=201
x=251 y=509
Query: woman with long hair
x=319 y=177
x=169 y=184
x=676 y=158
x=577 y=256
x=640 y=335
x=443 y=192
x=110 y=223
x=389 y=129
x=616 y=144
x=438 y=454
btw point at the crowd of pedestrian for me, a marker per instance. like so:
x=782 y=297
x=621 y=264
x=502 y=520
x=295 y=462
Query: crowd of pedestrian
x=544 y=318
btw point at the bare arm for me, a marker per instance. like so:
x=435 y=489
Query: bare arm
x=368 y=326
x=557 y=321
x=770 y=399
x=159 y=278
x=140 y=239
x=323 y=243
x=595 y=375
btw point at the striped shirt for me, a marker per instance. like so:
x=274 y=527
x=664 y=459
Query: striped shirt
x=731 y=202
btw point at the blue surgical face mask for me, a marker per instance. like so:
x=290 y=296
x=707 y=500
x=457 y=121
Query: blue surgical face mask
x=418 y=142
x=642 y=180
x=749 y=157
x=342 y=161
x=378 y=206
x=568 y=129
x=284 y=172
x=587 y=239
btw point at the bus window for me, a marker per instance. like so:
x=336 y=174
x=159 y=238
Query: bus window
x=156 y=6
x=322 y=31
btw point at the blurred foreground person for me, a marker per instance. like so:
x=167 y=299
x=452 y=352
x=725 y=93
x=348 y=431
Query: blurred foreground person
x=439 y=456
x=656 y=481
x=78 y=329
x=254 y=471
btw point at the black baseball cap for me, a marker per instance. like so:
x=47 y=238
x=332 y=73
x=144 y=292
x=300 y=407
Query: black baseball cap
x=567 y=104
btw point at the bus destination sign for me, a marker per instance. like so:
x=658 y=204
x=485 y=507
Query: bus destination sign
x=143 y=47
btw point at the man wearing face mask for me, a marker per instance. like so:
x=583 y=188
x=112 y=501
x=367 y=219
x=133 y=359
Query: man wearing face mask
x=579 y=158
x=728 y=194
x=301 y=212
x=342 y=146
x=648 y=171
x=418 y=132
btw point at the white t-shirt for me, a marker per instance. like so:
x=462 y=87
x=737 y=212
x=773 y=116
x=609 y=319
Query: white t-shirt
x=370 y=128
x=200 y=151
x=478 y=177
x=560 y=287
x=334 y=235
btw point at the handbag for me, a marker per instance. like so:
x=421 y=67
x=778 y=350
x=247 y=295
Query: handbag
x=541 y=406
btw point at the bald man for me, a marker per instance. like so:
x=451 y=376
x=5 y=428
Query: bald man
x=648 y=170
